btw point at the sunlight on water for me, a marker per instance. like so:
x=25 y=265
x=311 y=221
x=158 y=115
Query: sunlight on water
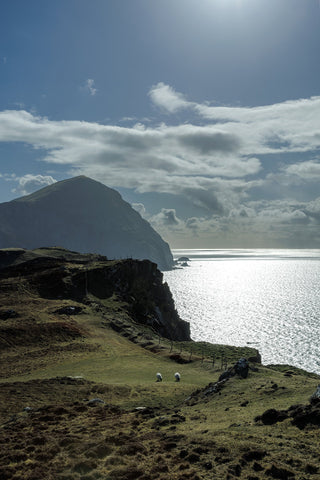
x=269 y=300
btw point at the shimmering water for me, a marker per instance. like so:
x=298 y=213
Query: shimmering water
x=267 y=299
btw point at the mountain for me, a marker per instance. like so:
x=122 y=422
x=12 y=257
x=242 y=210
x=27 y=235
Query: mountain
x=84 y=215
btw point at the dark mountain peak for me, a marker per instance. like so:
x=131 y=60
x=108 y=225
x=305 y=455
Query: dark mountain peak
x=84 y=215
x=81 y=186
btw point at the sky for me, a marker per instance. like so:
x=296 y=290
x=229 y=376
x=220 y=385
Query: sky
x=203 y=114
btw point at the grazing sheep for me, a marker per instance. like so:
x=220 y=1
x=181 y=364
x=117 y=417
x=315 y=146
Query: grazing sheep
x=177 y=376
x=159 y=377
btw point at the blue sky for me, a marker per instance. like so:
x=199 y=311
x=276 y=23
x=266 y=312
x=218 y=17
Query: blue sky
x=204 y=114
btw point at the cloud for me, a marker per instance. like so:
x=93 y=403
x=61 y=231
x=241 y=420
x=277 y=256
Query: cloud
x=167 y=217
x=236 y=156
x=292 y=125
x=312 y=209
x=262 y=224
x=140 y=208
x=148 y=159
x=204 y=198
x=30 y=183
x=167 y=98
x=204 y=163
x=90 y=86
x=314 y=206
x=194 y=225
x=205 y=141
x=309 y=170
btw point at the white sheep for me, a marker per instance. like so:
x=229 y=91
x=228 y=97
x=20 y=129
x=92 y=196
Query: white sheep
x=159 y=377
x=177 y=376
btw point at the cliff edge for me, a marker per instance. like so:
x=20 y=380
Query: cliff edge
x=56 y=273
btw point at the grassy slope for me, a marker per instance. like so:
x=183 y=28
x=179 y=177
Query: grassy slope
x=208 y=437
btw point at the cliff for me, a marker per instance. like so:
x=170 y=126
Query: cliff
x=56 y=273
x=83 y=215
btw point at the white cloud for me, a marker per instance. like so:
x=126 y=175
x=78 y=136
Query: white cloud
x=290 y=126
x=215 y=166
x=30 y=183
x=258 y=224
x=204 y=163
x=140 y=208
x=167 y=98
x=167 y=223
x=309 y=170
x=150 y=159
x=90 y=86
x=167 y=216
x=314 y=206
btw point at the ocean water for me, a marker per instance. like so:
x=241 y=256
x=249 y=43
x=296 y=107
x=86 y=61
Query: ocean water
x=267 y=299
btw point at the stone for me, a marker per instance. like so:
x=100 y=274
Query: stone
x=272 y=416
x=96 y=401
x=242 y=367
x=281 y=473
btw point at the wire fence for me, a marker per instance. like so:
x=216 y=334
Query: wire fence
x=188 y=353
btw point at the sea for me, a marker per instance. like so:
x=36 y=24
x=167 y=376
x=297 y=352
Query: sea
x=265 y=299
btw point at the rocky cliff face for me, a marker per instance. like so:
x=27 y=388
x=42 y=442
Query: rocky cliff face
x=83 y=215
x=58 y=273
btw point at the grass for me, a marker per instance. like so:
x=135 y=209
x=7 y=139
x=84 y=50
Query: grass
x=175 y=437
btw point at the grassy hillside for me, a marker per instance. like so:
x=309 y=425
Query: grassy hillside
x=58 y=356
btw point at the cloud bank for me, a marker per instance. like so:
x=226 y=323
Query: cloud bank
x=29 y=183
x=227 y=165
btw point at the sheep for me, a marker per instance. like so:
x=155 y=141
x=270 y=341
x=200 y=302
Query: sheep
x=159 y=377
x=177 y=376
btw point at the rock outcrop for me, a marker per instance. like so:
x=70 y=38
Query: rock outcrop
x=301 y=416
x=83 y=215
x=55 y=273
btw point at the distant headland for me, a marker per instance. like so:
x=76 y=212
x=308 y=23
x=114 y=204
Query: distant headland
x=84 y=215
